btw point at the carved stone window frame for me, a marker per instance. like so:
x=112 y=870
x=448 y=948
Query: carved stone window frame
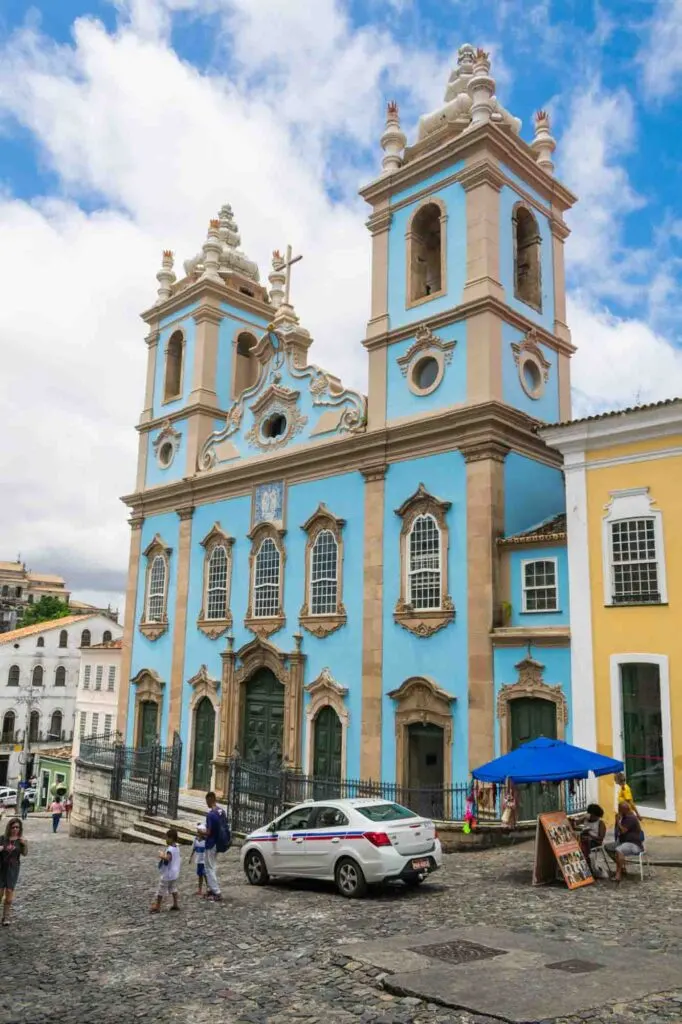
x=275 y=400
x=149 y=688
x=322 y=625
x=410 y=303
x=153 y=630
x=427 y=621
x=168 y=435
x=425 y=345
x=521 y=205
x=325 y=692
x=214 y=628
x=530 y=683
x=529 y=351
x=203 y=685
x=265 y=626
x=419 y=700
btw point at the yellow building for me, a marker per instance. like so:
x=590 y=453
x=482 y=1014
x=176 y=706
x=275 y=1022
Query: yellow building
x=623 y=473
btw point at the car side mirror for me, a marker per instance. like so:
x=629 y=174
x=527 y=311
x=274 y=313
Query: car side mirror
x=271 y=827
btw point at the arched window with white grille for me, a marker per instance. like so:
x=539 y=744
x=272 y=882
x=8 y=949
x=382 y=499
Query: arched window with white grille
x=216 y=589
x=156 y=595
x=423 y=571
x=323 y=611
x=154 y=620
x=323 y=574
x=266 y=580
x=424 y=605
x=215 y=617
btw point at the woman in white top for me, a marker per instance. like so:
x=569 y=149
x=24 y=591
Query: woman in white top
x=169 y=867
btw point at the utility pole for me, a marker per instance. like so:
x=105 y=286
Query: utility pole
x=31 y=696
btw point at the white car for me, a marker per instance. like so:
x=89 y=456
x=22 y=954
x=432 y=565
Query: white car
x=354 y=843
x=8 y=797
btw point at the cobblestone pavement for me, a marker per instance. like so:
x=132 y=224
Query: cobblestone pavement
x=83 y=947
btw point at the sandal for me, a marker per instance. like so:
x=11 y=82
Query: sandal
x=5 y=922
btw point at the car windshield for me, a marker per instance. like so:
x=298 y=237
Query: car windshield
x=385 y=812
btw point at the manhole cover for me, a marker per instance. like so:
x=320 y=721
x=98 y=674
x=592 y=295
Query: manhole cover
x=458 y=952
x=574 y=966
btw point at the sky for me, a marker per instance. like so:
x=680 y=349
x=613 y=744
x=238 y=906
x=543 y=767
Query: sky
x=125 y=124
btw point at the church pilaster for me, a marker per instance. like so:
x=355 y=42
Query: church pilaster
x=482 y=181
x=136 y=522
x=180 y=621
x=229 y=712
x=379 y=323
x=372 y=623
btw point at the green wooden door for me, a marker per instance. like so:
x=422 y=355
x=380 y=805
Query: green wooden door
x=204 y=733
x=263 y=725
x=327 y=753
x=148 y=719
x=532 y=717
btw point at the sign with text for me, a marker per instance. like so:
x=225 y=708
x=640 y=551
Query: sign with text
x=556 y=844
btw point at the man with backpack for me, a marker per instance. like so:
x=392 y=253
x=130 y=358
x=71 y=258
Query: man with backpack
x=218 y=840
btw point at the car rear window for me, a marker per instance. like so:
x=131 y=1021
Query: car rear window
x=385 y=812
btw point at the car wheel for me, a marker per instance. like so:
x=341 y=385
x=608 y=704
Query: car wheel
x=349 y=878
x=414 y=880
x=255 y=869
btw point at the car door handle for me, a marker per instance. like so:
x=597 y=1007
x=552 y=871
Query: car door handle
x=298 y=840
x=336 y=840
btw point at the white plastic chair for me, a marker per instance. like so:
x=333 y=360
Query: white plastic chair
x=644 y=863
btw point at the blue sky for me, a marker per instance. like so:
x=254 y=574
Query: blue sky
x=124 y=125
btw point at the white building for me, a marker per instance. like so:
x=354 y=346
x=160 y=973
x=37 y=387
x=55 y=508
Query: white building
x=98 y=686
x=39 y=673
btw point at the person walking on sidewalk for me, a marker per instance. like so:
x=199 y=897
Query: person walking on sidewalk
x=56 y=809
x=218 y=840
x=25 y=807
x=12 y=849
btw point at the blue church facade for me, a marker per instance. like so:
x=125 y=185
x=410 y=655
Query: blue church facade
x=363 y=586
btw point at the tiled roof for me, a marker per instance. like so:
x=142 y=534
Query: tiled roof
x=106 y=645
x=612 y=412
x=40 y=627
x=550 y=529
x=58 y=753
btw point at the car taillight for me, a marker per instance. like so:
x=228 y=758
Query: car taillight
x=377 y=838
x=435 y=833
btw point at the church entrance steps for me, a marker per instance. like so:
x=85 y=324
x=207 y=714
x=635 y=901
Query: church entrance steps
x=153 y=831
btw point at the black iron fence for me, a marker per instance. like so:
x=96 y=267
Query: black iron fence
x=257 y=793
x=147 y=777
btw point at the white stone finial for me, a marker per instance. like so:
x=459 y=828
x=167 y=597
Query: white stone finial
x=211 y=250
x=481 y=89
x=543 y=145
x=165 y=277
x=393 y=140
x=277 y=278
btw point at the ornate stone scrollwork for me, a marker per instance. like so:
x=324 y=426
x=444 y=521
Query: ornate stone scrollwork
x=532 y=364
x=277 y=403
x=203 y=685
x=166 y=444
x=423 y=622
x=425 y=347
x=324 y=623
x=530 y=683
x=324 y=692
x=420 y=701
x=149 y=689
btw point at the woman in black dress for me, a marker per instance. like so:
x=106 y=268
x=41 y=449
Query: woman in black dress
x=12 y=848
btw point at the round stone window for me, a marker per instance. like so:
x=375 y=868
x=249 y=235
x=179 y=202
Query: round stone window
x=166 y=453
x=531 y=378
x=274 y=426
x=426 y=374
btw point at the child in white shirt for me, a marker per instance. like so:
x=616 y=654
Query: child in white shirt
x=199 y=847
x=169 y=867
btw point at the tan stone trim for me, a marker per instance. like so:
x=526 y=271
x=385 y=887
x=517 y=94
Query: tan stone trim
x=488 y=450
x=142 y=454
x=322 y=520
x=530 y=684
x=154 y=628
x=168 y=434
x=564 y=373
x=466 y=310
x=149 y=687
x=540 y=636
x=430 y=200
x=372 y=621
x=481 y=172
x=423 y=622
x=136 y=522
x=485 y=522
x=201 y=290
x=180 y=620
x=484 y=359
x=152 y=343
x=379 y=224
x=558 y=227
x=420 y=701
x=214 y=628
x=168 y=399
x=186 y=413
x=281 y=400
x=229 y=709
x=203 y=685
x=265 y=626
x=325 y=692
x=425 y=345
x=377 y=390
x=207 y=319
x=380 y=220
x=529 y=351
x=439 y=151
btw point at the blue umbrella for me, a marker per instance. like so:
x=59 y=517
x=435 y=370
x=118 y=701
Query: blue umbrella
x=545 y=760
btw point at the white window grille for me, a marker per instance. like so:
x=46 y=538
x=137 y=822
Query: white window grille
x=108 y=719
x=157 y=590
x=81 y=724
x=86 y=677
x=424 y=570
x=266 y=580
x=540 y=586
x=216 y=603
x=111 y=681
x=634 y=564
x=323 y=574
x=95 y=723
x=99 y=672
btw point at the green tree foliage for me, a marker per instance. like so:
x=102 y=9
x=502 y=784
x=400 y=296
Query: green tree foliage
x=43 y=610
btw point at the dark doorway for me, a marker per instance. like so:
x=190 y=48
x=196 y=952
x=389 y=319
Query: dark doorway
x=149 y=713
x=327 y=753
x=4 y=767
x=263 y=722
x=204 y=733
x=532 y=717
x=425 y=766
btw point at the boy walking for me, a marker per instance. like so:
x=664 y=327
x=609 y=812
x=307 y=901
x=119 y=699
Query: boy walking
x=199 y=848
x=169 y=867
x=216 y=826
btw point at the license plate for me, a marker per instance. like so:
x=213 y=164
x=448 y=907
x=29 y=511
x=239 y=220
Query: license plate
x=420 y=865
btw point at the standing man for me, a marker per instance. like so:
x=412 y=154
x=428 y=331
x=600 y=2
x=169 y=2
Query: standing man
x=213 y=830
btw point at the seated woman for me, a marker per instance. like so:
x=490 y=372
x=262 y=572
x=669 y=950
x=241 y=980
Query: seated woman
x=629 y=841
x=593 y=831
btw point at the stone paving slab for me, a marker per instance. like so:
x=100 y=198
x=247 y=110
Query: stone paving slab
x=513 y=976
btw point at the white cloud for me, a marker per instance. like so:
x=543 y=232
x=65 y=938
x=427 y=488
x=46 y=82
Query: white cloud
x=660 y=56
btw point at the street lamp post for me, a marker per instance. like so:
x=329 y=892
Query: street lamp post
x=31 y=698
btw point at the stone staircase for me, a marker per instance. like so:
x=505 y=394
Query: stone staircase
x=152 y=830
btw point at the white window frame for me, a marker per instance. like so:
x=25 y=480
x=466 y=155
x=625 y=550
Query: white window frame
x=661 y=660
x=87 y=672
x=632 y=503
x=111 y=679
x=99 y=676
x=524 y=590
x=324 y=579
x=437 y=573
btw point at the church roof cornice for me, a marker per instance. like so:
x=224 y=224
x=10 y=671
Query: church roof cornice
x=207 y=293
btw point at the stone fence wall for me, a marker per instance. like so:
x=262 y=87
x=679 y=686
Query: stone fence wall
x=95 y=815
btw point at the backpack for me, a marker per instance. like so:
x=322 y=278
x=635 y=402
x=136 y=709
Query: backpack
x=223 y=840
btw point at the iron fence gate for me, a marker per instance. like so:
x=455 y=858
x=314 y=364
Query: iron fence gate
x=147 y=777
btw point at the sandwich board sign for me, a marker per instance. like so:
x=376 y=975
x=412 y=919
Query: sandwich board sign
x=556 y=846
